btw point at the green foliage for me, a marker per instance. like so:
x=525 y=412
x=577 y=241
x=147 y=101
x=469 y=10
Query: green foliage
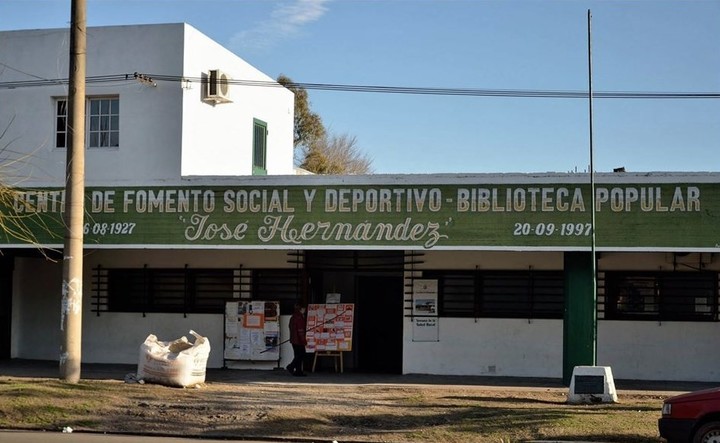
x=308 y=127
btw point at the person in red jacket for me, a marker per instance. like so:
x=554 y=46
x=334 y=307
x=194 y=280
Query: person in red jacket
x=297 y=340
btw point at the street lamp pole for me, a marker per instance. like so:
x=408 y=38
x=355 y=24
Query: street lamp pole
x=593 y=257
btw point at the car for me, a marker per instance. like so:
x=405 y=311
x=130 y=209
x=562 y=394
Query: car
x=692 y=417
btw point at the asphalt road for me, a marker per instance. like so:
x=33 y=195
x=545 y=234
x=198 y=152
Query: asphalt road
x=76 y=437
x=55 y=437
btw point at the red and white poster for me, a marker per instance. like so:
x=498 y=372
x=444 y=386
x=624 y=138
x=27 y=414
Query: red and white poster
x=329 y=327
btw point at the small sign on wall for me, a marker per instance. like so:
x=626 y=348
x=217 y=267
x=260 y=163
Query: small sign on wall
x=425 y=329
x=425 y=320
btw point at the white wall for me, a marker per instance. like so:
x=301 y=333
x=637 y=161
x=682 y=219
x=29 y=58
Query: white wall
x=194 y=258
x=114 y=341
x=150 y=134
x=497 y=347
x=502 y=347
x=166 y=131
x=36 y=309
x=686 y=351
x=652 y=350
x=114 y=337
x=487 y=346
x=217 y=138
x=644 y=350
x=657 y=261
x=541 y=261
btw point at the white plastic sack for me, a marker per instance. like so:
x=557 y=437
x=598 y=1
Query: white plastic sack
x=174 y=363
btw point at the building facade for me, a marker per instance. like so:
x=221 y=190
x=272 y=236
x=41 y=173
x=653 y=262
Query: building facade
x=485 y=274
x=153 y=111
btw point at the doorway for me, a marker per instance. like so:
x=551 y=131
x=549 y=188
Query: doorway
x=6 y=285
x=380 y=324
x=373 y=281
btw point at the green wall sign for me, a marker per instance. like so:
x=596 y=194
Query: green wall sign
x=507 y=216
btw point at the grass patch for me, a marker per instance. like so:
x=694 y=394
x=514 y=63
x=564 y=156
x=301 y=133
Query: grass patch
x=48 y=404
x=387 y=413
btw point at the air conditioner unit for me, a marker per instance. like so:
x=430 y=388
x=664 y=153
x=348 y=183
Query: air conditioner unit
x=218 y=87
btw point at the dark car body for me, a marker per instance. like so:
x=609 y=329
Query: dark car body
x=687 y=414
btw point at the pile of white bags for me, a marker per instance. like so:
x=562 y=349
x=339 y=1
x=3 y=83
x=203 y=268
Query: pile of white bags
x=174 y=363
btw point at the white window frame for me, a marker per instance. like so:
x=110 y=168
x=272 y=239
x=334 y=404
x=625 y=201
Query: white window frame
x=102 y=123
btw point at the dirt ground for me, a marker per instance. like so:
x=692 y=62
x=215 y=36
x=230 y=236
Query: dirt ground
x=321 y=408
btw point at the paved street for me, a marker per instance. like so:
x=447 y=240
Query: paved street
x=55 y=437
x=75 y=437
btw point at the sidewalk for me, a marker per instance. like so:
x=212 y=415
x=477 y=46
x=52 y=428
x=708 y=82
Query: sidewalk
x=97 y=371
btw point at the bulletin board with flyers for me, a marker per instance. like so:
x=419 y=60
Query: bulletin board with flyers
x=330 y=327
x=252 y=331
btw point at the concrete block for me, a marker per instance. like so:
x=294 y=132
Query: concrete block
x=592 y=384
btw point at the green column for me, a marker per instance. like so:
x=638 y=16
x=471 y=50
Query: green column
x=580 y=322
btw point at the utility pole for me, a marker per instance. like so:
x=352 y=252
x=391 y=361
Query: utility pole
x=71 y=306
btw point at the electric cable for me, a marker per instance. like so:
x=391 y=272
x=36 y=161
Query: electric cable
x=437 y=91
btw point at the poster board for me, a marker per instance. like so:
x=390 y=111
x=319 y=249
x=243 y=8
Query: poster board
x=252 y=331
x=330 y=327
x=424 y=304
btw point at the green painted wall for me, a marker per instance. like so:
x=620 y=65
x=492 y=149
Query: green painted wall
x=418 y=216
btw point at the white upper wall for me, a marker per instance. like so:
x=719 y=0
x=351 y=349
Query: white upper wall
x=158 y=124
x=217 y=138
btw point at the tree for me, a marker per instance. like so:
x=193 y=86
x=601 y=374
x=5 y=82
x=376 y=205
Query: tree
x=337 y=154
x=315 y=149
x=308 y=126
x=20 y=226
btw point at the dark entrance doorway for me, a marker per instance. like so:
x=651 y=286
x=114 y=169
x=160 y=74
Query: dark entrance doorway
x=6 y=284
x=380 y=325
x=373 y=281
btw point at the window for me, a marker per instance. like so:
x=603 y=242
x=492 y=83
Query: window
x=661 y=296
x=102 y=125
x=259 y=147
x=500 y=294
x=61 y=124
x=169 y=290
x=522 y=294
x=282 y=285
x=186 y=290
x=458 y=295
x=104 y=129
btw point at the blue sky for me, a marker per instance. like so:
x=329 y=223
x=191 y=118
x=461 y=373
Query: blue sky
x=638 y=46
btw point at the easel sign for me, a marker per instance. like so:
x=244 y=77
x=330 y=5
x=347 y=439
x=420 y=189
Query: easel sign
x=425 y=320
x=329 y=327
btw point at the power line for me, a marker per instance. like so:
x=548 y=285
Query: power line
x=60 y=81
x=463 y=92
